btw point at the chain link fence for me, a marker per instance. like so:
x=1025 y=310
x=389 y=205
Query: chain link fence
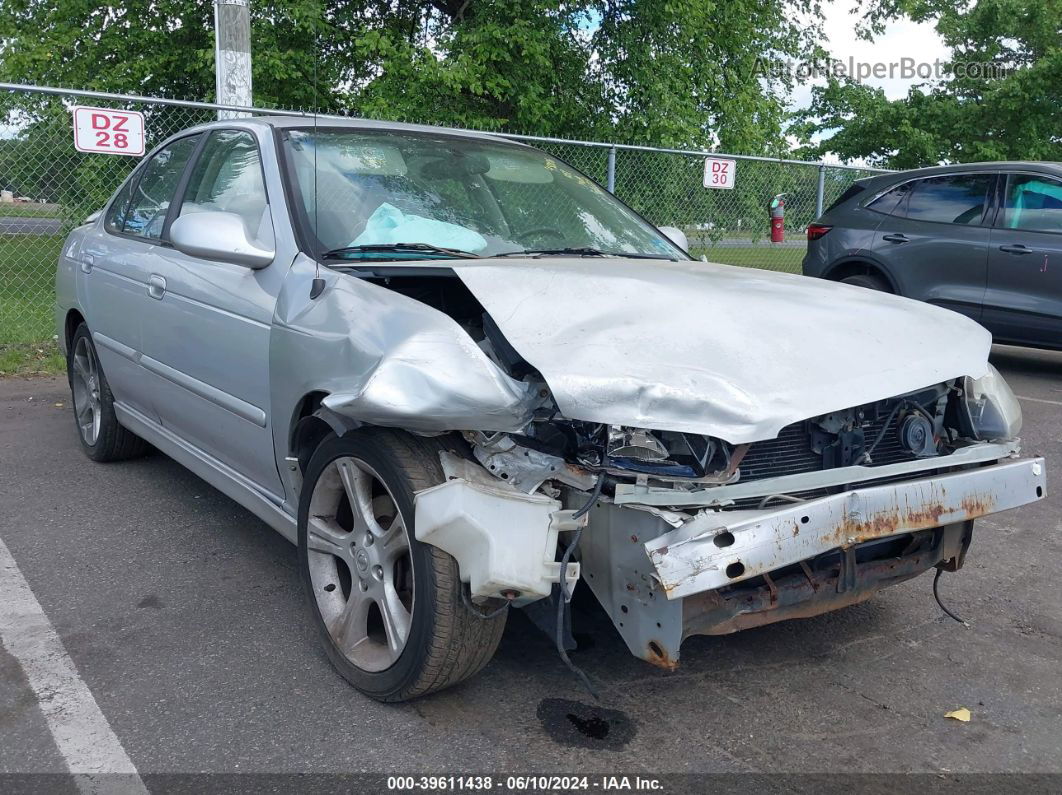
x=48 y=188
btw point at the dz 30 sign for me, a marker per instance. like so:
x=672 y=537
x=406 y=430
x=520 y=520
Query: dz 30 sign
x=719 y=173
x=111 y=132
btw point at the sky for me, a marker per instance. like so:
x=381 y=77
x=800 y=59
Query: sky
x=917 y=40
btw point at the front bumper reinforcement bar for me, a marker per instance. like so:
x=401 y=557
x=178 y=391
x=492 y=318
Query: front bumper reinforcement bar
x=719 y=548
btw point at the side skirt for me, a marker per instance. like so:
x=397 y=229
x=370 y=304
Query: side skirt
x=222 y=477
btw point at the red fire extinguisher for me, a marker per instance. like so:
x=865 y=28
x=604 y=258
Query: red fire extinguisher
x=778 y=218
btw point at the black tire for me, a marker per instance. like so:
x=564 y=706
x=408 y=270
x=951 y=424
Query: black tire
x=112 y=442
x=446 y=642
x=868 y=281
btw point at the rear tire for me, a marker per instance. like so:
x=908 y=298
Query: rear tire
x=101 y=437
x=868 y=281
x=388 y=608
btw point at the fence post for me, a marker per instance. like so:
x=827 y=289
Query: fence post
x=232 y=55
x=820 y=189
x=611 y=180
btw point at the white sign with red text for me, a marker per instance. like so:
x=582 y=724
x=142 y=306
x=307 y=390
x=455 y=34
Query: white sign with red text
x=719 y=173
x=110 y=132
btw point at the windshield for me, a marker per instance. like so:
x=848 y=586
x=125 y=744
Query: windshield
x=364 y=192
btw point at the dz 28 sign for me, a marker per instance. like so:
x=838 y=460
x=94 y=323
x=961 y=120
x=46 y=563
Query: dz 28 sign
x=111 y=132
x=719 y=173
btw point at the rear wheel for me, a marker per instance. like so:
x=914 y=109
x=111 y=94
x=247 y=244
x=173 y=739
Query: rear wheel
x=388 y=608
x=867 y=280
x=102 y=438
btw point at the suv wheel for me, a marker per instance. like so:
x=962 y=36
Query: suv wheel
x=388 y=608
x=868 y=281
x=102 y=438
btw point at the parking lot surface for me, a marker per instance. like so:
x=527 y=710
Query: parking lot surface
x=184 y=618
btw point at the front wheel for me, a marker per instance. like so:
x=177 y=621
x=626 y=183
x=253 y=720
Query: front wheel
x=388 y=608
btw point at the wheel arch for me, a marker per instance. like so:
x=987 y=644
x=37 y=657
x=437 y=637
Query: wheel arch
x=74 y=318
x=852 y=266
x=306 y=430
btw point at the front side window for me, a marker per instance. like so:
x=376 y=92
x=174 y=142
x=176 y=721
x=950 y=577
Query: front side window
x=118 y=211
x=369 y=189
x=154 y=191
x=958 y=199
x=1033 y=203
x=227 y=177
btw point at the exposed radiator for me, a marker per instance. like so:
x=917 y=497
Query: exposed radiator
x=790 y=453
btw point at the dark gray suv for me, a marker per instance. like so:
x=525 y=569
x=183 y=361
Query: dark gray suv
x=984 y=239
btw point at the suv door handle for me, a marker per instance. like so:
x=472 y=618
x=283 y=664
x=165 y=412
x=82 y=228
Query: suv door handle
x=156 y=287
x=895 y=238
x=1017 y=248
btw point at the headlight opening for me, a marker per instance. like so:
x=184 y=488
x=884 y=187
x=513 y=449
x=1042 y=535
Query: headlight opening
x=993 y=410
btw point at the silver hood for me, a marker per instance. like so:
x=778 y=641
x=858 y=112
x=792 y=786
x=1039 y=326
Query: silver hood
x=731 y=352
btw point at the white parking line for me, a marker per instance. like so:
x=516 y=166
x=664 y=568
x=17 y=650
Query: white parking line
x=92 y=752
x=1039 y=400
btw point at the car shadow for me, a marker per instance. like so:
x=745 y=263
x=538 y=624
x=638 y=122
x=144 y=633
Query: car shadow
x=1026 y=361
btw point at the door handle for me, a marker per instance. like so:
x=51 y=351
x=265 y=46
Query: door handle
x=1017 y=248
x=86 y=263
x=895 y=238
x=156 y=287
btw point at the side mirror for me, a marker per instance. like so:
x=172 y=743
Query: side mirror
x=218 y=236
x=676 y=236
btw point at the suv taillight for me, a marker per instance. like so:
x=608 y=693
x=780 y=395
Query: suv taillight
x=815 y=231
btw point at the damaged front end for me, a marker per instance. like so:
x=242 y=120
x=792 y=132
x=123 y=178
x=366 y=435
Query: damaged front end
x=694 y=535
x=686 y=531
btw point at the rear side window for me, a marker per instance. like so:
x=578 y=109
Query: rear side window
x=1033 y=203
x=893 y=202
x=155 y=188
x=958 y=199
x=853 y=190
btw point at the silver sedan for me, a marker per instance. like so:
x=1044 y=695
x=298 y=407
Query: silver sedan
x=465 y=379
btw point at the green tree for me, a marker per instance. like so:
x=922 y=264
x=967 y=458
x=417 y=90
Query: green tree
x=1012 y=113
x=679 y=72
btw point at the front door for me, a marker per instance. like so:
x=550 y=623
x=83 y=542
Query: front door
x=208 y=345
x=1023 y=303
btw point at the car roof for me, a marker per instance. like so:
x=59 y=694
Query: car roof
x=332 y=122
x=1048 y=166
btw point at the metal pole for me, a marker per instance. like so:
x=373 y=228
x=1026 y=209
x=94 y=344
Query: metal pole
x=820 y=190
x=232 y=54
x=611 y=169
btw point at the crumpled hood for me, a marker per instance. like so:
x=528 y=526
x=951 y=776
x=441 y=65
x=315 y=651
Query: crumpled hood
x=730 y=352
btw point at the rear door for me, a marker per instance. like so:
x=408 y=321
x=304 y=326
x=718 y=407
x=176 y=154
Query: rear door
x=934 y=239
x=113 y=280
x=1023 y=303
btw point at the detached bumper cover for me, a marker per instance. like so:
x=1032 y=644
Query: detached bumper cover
x=721 y=548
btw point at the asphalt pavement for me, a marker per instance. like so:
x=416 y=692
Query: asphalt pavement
x=30 y=226
x=184 y=619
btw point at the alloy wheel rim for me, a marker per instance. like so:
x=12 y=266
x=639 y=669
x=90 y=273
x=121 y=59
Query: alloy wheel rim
x=86 y=388
x=360 y=564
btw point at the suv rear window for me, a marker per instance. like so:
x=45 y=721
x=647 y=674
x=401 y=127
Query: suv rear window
x=853 y=190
